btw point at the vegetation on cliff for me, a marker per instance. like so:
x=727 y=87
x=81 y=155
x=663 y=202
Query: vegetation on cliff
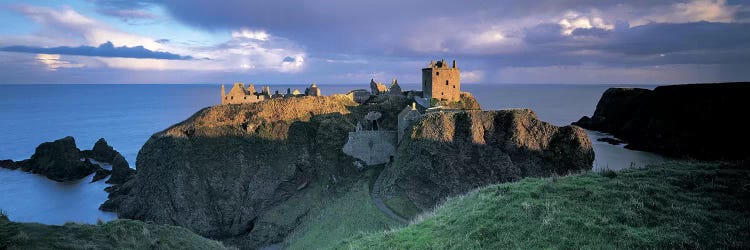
x=339 y=218
x=450 y=153
x=670 y=205
x=118 y=234
x=274 y=172
x=700 y=121
x=248 y=174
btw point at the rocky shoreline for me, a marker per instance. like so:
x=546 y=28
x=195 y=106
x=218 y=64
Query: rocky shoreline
x=697 y=121
x=62 y=161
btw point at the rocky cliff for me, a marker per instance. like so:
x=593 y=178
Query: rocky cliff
x=240 y=172
x=248 y=174
x=702 y=121
x=451 y=153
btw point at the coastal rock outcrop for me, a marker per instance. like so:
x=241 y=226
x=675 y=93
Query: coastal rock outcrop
x=450 y=153
x=59 y=160
x=121 y=171
x=101 y=152
x=100 y=174
x=701 y=121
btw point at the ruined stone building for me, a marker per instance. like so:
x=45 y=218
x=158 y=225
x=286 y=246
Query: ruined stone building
x=377 y=88
x=406 y=117
x=380 y=88
x=371 y=145
x=313 y=90
x=441 y=81
x=240 y=94
x=395 y=89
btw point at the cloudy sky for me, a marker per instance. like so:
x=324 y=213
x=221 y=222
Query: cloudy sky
x=346 y=41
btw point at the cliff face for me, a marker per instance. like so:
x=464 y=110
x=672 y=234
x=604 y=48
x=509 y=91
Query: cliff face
x=240 y=172
x=702 y=121
x=451 y=153
x=248 y=174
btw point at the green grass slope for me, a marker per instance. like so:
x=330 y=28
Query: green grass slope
x=118 y=234
x=671 y=205
x=342 y=217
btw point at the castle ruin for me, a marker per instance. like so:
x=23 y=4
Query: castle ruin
x=441 y=82
x=240 y=94
x=380 y=88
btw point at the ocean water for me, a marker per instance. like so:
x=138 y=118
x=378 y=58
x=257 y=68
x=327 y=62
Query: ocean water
x=127 y=115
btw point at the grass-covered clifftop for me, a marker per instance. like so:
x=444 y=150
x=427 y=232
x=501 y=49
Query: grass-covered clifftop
x=274 y=172
x=249 y=174
x=450 y=153
x=670 y=205
x=118 y=234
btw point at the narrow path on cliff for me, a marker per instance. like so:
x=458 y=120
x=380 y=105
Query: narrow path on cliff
x=378 y=200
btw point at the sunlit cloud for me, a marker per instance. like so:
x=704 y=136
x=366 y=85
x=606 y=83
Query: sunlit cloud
x=54 y=62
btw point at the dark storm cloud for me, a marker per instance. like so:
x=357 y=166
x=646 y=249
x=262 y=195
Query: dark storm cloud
x=373 y=30
x=380 y=27
x=650 y=44
x=667 y=38
x=104 y=50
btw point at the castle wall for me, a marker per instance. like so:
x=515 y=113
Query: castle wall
x=372 y=147
x=442 y=83
x=239 y=99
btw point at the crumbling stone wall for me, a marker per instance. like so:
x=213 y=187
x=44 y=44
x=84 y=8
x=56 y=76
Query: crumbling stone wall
x=372 y=147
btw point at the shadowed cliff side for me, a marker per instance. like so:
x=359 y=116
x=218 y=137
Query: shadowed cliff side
x=703 y=121
x=246 y=174
x=453 y=152
x=251 y=174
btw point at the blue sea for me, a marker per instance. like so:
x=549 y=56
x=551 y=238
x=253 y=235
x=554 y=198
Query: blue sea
x=127 y=115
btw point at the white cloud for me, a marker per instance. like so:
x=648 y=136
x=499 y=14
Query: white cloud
x=246 y=50
x=251 y=34
x=573 y=20
x=692 y=11
x=53 y=62
x=475 y=76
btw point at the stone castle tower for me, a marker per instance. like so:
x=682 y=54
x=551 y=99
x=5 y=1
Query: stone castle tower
x=441 y=81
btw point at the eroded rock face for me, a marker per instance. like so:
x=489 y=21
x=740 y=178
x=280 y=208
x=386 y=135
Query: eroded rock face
x=121 y=171
x=103 y=152
x=59 y=160
x=703 y=121
x=247 y=174
x=232 y=172
x=451 y=153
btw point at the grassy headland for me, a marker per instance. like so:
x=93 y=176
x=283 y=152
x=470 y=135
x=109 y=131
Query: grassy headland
x=669 y=205
x=118 y=234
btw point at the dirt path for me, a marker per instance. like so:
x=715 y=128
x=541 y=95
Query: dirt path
x=378 y=200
